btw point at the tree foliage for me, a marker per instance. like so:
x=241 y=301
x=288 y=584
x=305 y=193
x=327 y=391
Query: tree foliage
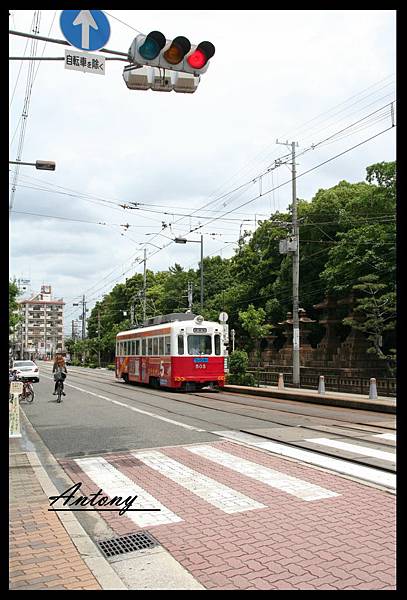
x=347 y=232
x=13 y=317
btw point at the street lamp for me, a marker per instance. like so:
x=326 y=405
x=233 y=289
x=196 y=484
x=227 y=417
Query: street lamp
x=180 y=240
x=42 y=165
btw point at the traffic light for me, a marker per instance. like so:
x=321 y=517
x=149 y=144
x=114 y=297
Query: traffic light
x=177 y=55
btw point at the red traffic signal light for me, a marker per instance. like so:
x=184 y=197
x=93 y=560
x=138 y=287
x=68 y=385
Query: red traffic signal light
x=200 y=56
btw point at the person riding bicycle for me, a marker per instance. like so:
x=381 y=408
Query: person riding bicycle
x=59 y=370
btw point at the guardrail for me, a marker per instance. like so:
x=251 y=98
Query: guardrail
x=333 y=383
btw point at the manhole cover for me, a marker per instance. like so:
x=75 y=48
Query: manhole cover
x=127 y=543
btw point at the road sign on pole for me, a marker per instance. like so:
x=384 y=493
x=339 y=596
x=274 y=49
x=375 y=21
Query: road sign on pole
x=85 y=62
x=85 y=29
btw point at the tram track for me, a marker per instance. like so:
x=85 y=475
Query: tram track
x=305 y=414
x=309 y=423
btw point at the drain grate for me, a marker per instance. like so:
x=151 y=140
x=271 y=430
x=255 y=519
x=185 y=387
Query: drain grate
x=127 y=543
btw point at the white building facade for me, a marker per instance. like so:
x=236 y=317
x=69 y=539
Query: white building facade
x=40 y=333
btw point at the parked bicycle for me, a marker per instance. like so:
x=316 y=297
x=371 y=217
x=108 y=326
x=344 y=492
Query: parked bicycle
x=28 y=390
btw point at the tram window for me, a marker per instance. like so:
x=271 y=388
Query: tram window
x=199 y=344
x=181 y=344
x=133 y=347
x=126 y=348
x=167 y=345
x=150 y=346
x=217 y=344
x=137 y=347
x=155 y=346
x=161 y=346
x=143 y=346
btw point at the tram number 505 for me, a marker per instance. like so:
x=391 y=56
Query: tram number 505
x=200 y=366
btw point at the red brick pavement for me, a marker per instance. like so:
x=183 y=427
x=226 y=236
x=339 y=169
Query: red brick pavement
x=41 y=553
x=342 y=542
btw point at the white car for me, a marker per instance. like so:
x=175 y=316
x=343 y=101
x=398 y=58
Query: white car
x=26 y=369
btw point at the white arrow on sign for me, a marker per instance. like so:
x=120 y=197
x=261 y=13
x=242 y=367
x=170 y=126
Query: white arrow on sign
x=85 y=19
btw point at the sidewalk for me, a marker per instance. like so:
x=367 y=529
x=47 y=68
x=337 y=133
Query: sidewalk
x=343 y=399
x=43 y=554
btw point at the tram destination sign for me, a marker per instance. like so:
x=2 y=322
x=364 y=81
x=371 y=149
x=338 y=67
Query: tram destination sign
x=199 y=330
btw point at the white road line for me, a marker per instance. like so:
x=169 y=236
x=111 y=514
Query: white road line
x=337 y=465
x=386 y=436
x=219 y=495
x=133 y=408
x=276 y=479
x=354 y=448
x=114 y=483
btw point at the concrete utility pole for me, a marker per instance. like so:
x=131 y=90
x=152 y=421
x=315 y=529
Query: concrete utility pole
x=202 y=279
x=144 y=284
x=83 y=317
x=296 y=270
x=190 y=295
x=99 y=337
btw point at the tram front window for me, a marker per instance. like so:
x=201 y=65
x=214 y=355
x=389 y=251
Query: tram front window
x=199 y=344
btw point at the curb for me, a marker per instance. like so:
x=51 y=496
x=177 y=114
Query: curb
x=287 y=394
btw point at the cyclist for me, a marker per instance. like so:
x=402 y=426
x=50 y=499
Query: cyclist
x=59 y=370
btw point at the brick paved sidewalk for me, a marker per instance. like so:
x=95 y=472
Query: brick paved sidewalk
x=42 y=554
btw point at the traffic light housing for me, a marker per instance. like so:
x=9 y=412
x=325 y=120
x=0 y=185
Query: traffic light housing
x=146 y=78
x=179 y=54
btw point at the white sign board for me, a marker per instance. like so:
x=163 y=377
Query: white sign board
x=85 y=62
x=296 y=338
x=16 y=387
x=14 y=414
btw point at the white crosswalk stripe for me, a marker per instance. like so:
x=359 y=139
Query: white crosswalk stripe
x=276 y=479
x=336 y=465
x=386 y=436
x=219 y=495
x=354 y=448
x=114 y=483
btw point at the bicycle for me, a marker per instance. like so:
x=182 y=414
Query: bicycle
x=60 y=389
x=27 y=393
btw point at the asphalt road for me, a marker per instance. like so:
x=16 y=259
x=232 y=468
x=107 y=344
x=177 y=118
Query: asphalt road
x=100 y=414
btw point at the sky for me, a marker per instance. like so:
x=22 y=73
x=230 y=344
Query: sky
x=322 y=78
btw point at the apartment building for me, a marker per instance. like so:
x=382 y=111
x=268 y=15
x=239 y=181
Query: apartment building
x=41 y=331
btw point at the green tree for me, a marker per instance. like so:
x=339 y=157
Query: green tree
x=375 y=314
x=252 y=321
x=13 y=316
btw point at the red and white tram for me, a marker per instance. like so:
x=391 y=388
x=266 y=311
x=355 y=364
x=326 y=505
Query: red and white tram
x=180 y=351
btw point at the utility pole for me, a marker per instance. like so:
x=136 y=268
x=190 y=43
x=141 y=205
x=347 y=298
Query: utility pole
x=190 y=296
x=202 y=278
x=144 y=284
x=99 y=337
x=296 y=270
x=83 y=317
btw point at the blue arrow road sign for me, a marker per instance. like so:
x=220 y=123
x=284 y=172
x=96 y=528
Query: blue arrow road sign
x=85 y=29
